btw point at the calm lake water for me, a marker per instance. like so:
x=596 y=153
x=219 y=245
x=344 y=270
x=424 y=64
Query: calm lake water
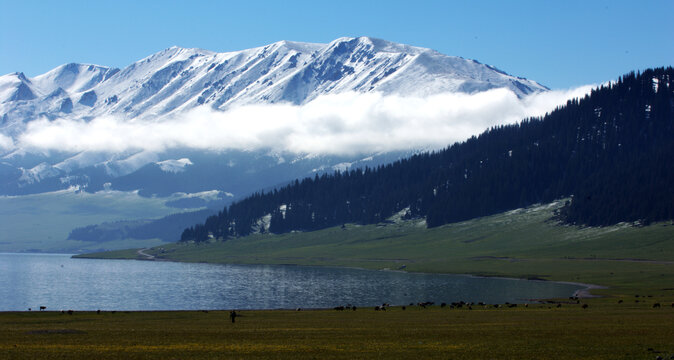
x=59 y=282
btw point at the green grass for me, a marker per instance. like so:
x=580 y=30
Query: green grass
x=43 y=221
x=637 y=263
x=605 y=330
x=522 y=243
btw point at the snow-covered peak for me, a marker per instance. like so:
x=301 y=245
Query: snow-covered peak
x=174 y=166
x=16 y=87
x=178 y=79
x=73 y=78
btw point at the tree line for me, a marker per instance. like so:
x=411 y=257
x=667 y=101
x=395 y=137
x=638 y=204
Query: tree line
x=610 y=152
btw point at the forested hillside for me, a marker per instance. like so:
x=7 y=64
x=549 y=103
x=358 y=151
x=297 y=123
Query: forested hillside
x=610 y=151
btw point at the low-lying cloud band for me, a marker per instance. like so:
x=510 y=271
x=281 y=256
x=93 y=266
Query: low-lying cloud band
x=342 y=124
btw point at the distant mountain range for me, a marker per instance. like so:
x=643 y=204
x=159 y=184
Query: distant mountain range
x=177 y=80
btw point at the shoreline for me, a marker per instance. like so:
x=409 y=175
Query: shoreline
x=584 y=293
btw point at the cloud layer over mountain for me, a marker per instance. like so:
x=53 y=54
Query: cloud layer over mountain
x=336 y=124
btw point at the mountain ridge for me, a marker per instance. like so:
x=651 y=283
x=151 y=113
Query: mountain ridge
x=175 y=80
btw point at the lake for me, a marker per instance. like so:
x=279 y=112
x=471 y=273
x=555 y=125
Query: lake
x=60 y=283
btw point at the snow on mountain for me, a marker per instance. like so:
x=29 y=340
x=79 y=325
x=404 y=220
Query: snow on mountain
x=180 y=79
x=174 y=166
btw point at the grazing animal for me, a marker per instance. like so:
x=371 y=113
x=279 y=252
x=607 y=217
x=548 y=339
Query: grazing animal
x=443 y=305
x=620 y=301
x=353 y=308
x=656 y=305
x=43 y=308
x=339 y=308
x=559 y=305
x=403 y=307
x=70 y=312
x=98 y=311
x=585 y=306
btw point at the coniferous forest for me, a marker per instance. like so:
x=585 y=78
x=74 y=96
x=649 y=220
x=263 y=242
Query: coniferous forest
x=611 y=152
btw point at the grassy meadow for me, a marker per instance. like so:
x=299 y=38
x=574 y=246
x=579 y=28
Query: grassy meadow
x=635 y=265
x=43 y=221
x=604 y=330
x=523 y=243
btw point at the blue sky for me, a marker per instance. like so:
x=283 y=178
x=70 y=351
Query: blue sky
x=561 y=44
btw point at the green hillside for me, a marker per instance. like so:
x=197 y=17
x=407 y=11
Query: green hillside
x=524 y=243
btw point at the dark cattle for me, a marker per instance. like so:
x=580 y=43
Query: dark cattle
x=353 y=308
x=620 y=301
x=403 y=307
x=443 y=305
x=43 y=308
x=339 y=308
x=98 y=311
x=70 y=312
x=656 y=305
x=559 y=305
x=585 y=306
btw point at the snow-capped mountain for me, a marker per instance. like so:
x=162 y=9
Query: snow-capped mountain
x=179 y=79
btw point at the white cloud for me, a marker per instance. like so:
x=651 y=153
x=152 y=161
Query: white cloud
x=6 y=143
x=347 y=123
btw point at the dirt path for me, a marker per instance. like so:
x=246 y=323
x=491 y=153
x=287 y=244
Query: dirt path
x=147 y=256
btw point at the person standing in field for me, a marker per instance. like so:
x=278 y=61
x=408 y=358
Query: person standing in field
x=232 y=315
